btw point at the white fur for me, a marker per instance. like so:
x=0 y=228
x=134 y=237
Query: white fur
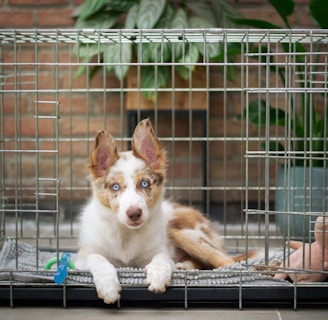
x=127 y=165
x=108 y=241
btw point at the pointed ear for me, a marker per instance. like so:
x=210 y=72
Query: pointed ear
x=145 y=145
x=104 y=154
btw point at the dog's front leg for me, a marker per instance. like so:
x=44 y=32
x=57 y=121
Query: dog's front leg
x=159 y=272
x=104 y=277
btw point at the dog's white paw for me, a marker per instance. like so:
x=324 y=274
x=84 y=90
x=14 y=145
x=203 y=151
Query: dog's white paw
x=108 y=287
x=159 y=273
x=105 y=278
x=185 y=265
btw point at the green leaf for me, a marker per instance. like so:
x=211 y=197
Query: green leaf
x=144 y=51
x=120 y=5
x=80 y=71
x=233 y=49
x=183 y=71
x=257 y=111
x=319 y=12
x=274 y=146
x=115 y=54
x=149 y=13
x=228 y=54
x=211 y=49
x=179 y=20
x=192 y=56
x=160 y=52
x=202 y=10
x=299 y=48
x=154 y=77
x=84 y=69
x=164 y=21
x=131 y=18
x=102 y=20
x=223 y=10
x=285 y=8
x=199 y=23
x=87 y=51
x=90 y=7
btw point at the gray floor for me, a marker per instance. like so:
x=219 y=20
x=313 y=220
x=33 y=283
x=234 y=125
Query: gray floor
x=136 y=314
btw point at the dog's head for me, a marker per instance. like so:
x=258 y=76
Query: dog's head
x=129 y=183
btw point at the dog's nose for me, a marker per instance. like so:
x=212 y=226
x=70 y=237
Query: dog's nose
x=134 y=213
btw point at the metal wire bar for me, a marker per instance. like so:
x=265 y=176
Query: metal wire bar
x=49 y=117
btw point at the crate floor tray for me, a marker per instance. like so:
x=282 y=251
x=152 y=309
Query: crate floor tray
x=22 y=278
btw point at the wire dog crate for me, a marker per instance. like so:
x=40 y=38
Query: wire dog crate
x=242 y=115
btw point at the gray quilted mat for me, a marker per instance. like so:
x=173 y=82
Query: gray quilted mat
x=21 y=262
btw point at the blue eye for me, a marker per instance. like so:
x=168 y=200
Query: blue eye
x=115 y=187
x=144 y=184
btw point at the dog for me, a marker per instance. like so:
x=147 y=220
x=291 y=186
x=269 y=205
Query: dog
x=129 y=223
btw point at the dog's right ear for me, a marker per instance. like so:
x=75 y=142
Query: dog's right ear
x=104 y=154
x=146 y=145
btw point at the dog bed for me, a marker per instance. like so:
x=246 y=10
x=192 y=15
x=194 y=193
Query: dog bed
x=22 y=262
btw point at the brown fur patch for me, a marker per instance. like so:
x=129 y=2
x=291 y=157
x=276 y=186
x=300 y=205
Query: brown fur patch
x=105 y=193
x=154 y=190
x=191 y=232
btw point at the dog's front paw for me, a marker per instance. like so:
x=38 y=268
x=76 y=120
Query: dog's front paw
x=108 y=287
x=159 y=273
x=105 y=278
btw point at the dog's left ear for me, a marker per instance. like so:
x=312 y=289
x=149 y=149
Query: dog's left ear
x=146 y=145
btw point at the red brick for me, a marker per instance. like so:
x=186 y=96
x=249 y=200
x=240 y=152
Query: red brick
x=79 y=126
x=232 y=170
x=46 y=55
x=72 y=105
x=81 y=82
x=78 y=149
x=21 y=145
x=78 y=2
x=185 y=170
x=262 y=13
x=304 y=19
x=301 y=2
x=27 y=127
x=37 y=3
x=248 y=2
x=221 y=149
x=79 y=169
x=55 y=18
x=113 y=103
x=12 y=103
x=18 y=18
x=228 y=127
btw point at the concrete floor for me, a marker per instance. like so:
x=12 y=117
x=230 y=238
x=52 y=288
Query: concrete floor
x=79 y=313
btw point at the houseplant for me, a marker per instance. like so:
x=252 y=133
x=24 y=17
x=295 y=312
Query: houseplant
x=303 y=179
x=150 y=14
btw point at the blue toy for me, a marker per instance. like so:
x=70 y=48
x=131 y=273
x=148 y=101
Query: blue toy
x=63 y=264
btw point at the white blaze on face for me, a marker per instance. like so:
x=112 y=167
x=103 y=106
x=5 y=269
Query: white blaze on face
x=132 y=205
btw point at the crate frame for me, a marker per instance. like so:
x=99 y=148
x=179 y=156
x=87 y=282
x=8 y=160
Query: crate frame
x=241 y=294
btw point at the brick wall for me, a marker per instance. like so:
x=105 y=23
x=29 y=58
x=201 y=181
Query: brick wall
x=82 y=114
x=58 y=13
x=37 y=13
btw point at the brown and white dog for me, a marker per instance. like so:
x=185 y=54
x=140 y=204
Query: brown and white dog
x=128 y=222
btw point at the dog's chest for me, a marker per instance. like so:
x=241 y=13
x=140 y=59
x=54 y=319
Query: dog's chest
x=133 y=248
